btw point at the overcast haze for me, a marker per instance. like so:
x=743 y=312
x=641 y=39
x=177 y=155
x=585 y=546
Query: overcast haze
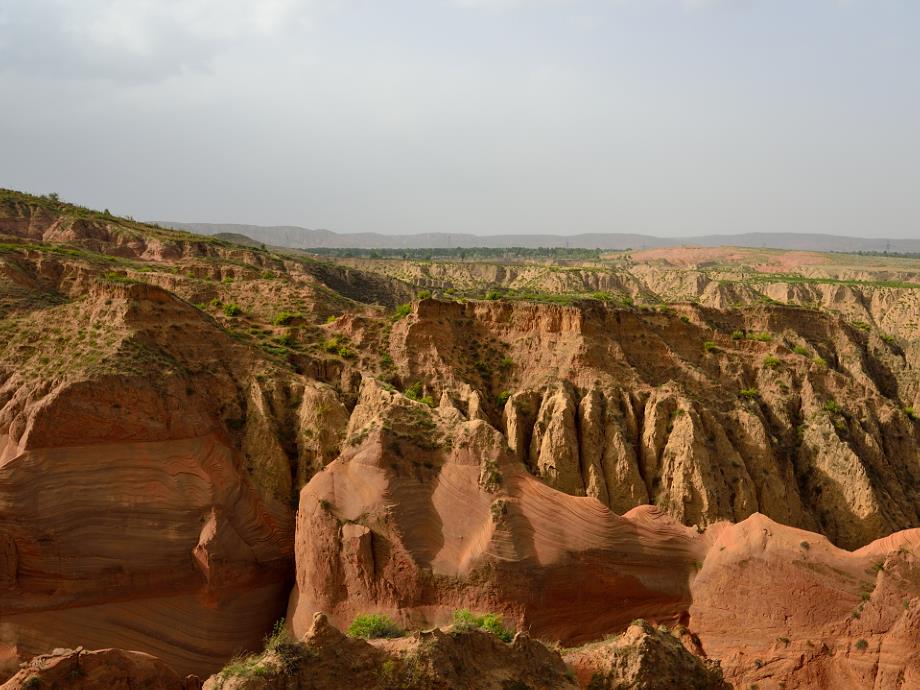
x=666 y=117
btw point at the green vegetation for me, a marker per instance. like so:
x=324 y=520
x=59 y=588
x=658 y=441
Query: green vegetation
x=832 y=407
x=503 y=398
x=465 y=621
x=401 y=311
x=710 y=346
x=372 y=626
x=338 y=345
x=820 y=361
x=281 y=654
x=911 y=413
x=737 y=335
x=771 y=362
x=424 y=294
x=862 y=645
x=861 y=325
x=750 y=393
x=286 y=318
x=231 y=309
x=801 y=350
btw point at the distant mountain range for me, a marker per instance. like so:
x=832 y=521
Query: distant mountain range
x=303 y=238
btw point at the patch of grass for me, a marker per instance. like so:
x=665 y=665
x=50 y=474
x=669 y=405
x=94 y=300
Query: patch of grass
x=424 y=294
x=761 y=337
x=232 y=309
x=862 y=645
x=771 y=362
x=373 y=626
x=465 y=621
x=820 y=361
x=503 y=398
x=911 y=413
x=750 y=393
x=861 y=325
x=710 y=346
x=737 y=335
x=801 y=350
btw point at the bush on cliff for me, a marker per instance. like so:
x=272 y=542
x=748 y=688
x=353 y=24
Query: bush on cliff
x=465 y=621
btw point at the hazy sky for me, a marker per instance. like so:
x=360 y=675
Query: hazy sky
x=670 y=117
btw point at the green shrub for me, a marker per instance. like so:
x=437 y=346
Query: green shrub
x=771 y=362
x=750 y=393
x=506 y=363
x=888 y=338
x=424 y=294
x=414 y=392
x=232 y=309
x=710 y=346
x=862 y=645
x=861 y=325
x=820 y=361
x=737 y=335
x=465 y=621
x=402 y=311
x=911 y=413
x=372 y=626
x=493 y=295
x=762 y=337
x=800 y=350
x=285 y=318
x=832 y=407
x=503 y=398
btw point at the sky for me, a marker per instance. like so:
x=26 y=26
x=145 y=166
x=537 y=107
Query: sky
x=666 y=117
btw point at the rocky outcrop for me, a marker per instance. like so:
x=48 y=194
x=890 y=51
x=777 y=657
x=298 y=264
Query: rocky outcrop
x=779 y=606
x=102 y=669
x=325 y=659
x=645 y=658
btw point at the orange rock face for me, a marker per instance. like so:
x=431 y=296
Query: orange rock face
x=417 y=526
x=104 y=669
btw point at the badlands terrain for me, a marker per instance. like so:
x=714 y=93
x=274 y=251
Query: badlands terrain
x=236 y=466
